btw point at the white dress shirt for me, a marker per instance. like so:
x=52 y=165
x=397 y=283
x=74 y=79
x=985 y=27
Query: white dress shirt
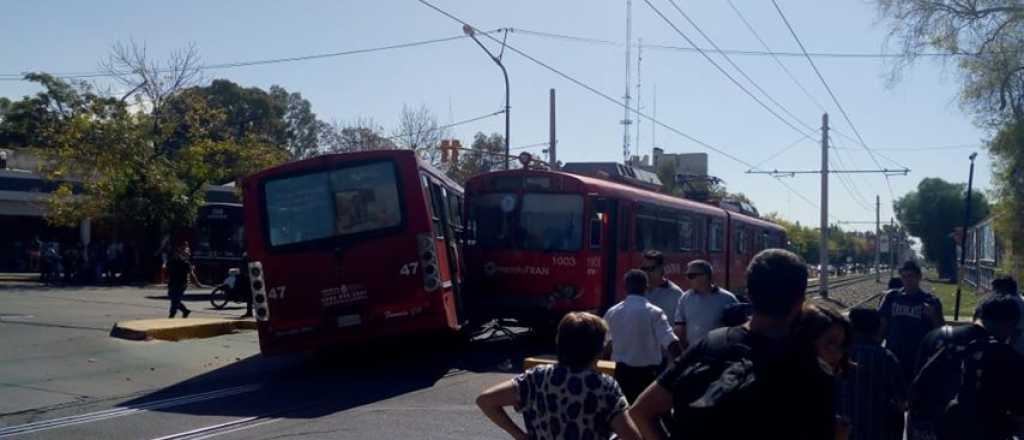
x=639 y=331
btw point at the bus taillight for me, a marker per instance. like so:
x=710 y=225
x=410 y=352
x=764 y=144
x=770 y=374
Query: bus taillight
x=259 y=294
x=428 y=259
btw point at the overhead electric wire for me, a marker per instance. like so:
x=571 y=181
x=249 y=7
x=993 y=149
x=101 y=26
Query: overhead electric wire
x=846 y=116
x=782 y=151
x=775 y=57
x=739 y=52
x=721 y=69
x=618 y=103
x=447 y=126
x=737 y=67
x=85 y=75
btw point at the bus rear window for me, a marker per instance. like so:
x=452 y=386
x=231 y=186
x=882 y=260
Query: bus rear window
x=346 y=201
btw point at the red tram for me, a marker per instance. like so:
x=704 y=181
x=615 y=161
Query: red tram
x=543 y=243
x=347 y=248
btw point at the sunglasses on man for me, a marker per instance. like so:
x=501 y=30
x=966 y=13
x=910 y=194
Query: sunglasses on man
x=694 y=275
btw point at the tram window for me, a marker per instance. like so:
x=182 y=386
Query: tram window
x=742 y=247
x=645 y=232
x=666 y=238
x=686 y=236
x=507 y=183
x=716 y=236
x=595 y=230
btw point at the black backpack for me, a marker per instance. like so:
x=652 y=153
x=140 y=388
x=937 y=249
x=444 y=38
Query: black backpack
x=945 y=390
x=709 y=394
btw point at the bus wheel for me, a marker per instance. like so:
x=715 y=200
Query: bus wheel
x=219 y=297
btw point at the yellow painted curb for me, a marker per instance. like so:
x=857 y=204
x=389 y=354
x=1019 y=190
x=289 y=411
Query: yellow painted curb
x=606 y=367
x=178 y=329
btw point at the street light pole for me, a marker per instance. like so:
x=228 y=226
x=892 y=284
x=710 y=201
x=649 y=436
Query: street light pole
x=468 y=30
x=963 y=239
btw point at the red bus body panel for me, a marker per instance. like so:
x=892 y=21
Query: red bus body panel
x=352 y=291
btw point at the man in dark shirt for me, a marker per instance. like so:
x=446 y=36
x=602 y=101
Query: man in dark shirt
x=907 y=315
x=785 y=400
x=179 y=270
x=998 y=394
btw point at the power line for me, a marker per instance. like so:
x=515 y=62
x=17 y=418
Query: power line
x=447 y=126
x=721 y=69
x=739 y=52
x=86 y=75
x=892 y=194
x=608 y=98
x=775 y=57
x=782 y=151
x=912 y=149
x=737 y=67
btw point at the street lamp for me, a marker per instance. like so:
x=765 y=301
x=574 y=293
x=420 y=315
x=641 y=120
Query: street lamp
x=963 y=238
x=469 y=31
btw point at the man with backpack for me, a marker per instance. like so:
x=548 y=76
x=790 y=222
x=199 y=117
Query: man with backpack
x=750 y=381
x=968 y=385
x=907 y=315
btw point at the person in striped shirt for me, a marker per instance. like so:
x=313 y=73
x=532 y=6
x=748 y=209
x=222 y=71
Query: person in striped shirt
x=873 y=395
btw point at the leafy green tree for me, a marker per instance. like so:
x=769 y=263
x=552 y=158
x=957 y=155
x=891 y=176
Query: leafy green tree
x=989 y=37
x=932 y=212
x=486 y=153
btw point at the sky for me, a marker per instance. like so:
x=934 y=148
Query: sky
x=457 y=81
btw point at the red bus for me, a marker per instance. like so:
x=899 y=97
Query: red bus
x=543 y=243
x=347 y=248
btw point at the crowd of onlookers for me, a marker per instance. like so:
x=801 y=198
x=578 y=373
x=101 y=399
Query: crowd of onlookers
x=707 y=364
x=76 y=263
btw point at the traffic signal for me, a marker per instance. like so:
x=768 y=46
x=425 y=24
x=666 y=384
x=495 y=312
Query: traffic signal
x=445 y=146
x=455 y=146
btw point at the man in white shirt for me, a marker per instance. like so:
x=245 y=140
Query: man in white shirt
x=700 y=309
x=663 y=293
x=638 y=332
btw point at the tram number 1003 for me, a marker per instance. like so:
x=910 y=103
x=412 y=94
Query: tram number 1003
x=569 y=261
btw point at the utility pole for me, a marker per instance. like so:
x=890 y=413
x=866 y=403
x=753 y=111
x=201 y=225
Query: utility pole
x=552 y=140
x=892 y=246
x=878 y=236
x=625 y=117
x=823 y=250
x=824 y=172
x=639 y=95
x=963 y=239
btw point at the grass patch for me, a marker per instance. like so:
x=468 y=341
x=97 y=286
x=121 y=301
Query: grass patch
x=946 y=292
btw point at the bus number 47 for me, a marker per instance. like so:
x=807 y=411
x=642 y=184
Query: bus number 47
x=409 y=269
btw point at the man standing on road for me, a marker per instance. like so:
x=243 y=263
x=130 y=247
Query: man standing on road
x=749 y=381
x=907 y=315
x=638 y=332
x=179 y=271
x=700 y=309
x=662 y=292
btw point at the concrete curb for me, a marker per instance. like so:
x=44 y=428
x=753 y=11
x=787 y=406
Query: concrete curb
x=178 y=329
x=606 y=367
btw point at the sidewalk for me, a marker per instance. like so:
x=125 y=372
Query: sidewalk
x=18 y=277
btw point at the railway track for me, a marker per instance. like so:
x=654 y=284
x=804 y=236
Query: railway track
x=812 y=286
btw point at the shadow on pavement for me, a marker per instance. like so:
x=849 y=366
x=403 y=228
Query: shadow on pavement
x=311 y=386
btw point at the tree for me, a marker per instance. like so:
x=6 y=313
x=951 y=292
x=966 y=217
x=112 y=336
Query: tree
x=302 y=129
x=486 y=153
x=363 y=134
x=932 y=212
x=419 y=130
x=989 y=37
x=26 y=122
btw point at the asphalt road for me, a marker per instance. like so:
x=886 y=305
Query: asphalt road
x=63 y=376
